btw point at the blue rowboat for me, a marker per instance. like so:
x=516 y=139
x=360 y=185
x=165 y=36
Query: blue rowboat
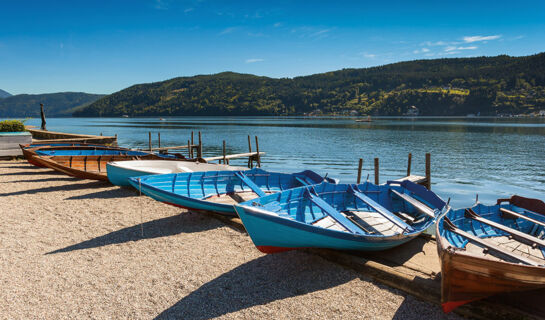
x=341 y=216
x=487 y=250
x=217 y=191
x=119 y=172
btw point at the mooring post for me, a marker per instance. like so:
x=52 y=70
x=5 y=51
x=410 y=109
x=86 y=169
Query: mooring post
x=250 y=161
x=101 y=134
x=360 y=165
x=199 y=151
x=43 y=116
x=376 y=171
x=189 y=149
x=224 y=160
x=257 y=150
x=149 y=140
x=428 y=171
x=409 y=164
x=192 y=143
x=159 y=139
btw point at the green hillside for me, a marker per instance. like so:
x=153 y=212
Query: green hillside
x=55 y=104
x=457 y=86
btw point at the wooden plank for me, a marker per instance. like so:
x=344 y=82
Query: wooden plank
x=515 y=233
x=489 y=246
x=234 y=156
x=413 y=178
x=415 y=203
x=508 y=213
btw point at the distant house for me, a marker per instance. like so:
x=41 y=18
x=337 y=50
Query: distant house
x=412 y=112
x=354 y=113
x=541 y=113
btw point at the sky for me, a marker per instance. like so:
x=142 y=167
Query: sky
x=105 y=46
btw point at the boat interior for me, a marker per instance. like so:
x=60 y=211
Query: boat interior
x=501 y=233
x=366 y=209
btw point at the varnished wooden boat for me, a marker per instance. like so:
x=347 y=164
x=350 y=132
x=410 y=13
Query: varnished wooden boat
x=87 y=167
x=487 y=250
x=30 y=150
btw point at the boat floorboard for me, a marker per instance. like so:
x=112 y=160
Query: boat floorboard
x=509 y=244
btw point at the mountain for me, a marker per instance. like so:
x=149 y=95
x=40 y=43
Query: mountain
x=456 y=86
x=55 y=104
x=4 y=94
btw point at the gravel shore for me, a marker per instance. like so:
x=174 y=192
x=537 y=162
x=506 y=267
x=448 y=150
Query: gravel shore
x=74 y=248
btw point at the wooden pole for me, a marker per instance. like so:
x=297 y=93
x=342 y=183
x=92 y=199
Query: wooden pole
x=192 y=143
x=149 y=140
x=188 y=148
x=199 y=151
x=257 y=150
x=43 y=116
x=101 y=134
x=224 y=160
x=159 y=139
x=250 y=161
x=376 y=171
x=428 y=170
x=360 y=165
x=409 y=164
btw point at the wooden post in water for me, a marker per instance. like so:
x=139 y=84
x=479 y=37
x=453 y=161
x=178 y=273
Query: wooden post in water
x=376 y=171
x=360 y=165
x=189 y=149
x=224 y=160
x=192 y=142
x=257 y=150
x=159 y=139
x=101 y=134
x=428 y=171
x=43 y=116
x=199 y=151
x=149 y=140
x=250 y=161
x=409 y=164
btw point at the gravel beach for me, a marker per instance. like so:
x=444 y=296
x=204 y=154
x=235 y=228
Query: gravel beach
x=74 y=248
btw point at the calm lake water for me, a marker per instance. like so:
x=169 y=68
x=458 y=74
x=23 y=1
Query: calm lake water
x=485 y=156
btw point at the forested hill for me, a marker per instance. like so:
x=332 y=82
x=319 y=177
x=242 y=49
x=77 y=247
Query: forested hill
x=55 y=104
x=457 y=86
x=4 y=94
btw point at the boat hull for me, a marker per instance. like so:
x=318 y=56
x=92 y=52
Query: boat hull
x=183 y=201
x=119 y=173
x=84 y=167
x=272 y=234
x=466 y=278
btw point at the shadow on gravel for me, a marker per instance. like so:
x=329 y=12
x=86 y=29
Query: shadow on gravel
x=107 y=194
x=68 y=187
x=33 y=173
x=257 y=282
x=44 y=180
x=164 y=227
x=20 y=167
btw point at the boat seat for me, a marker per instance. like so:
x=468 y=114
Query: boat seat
x=420 y=206
x=521 y=236
x=247 y=181
x=336 y=215
x=380 y=209
x=448 y=225
x=512 y=214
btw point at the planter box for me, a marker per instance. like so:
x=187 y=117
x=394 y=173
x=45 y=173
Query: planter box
x=9 y=143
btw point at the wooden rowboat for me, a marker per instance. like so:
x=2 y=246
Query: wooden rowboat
x=30 y=150
x=217 y=191
x=364 y=217
x=87 y=167
x=487 y=250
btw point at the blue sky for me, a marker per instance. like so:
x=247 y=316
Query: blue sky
x=105 y=46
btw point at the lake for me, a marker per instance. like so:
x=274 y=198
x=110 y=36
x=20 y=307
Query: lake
x=491 y=157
